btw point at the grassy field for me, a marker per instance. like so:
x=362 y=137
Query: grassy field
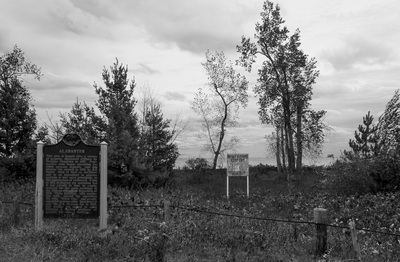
x=140 y=234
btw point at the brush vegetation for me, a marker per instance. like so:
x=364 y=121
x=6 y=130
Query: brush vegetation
x=140 y=234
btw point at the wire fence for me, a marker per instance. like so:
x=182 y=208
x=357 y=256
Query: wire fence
x=191 y=227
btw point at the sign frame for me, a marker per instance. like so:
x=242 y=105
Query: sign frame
x=72 y=168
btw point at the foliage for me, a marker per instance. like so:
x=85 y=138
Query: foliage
x=18 y=125
x=366 y=139
x=285 y=79
x=158 y=151
x=140 y=234
x=385 y=171
x=388 y=127
x=351 y=177
x=261 y=169
x=116 y=103
x=313 y=133
x=218 y=107
x=82 y=120
x=376 y=147
x=197 y=163
x=17 y=115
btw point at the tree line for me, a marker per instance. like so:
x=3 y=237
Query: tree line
x=142 y=140
x=145 y=141
x=138 y=146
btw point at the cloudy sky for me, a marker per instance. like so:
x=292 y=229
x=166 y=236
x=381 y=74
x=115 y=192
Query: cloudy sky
x=356 y=44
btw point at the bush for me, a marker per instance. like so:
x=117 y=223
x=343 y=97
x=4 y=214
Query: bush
x=350 y=177
x=196 y=163
x=17 y=167
x=139 y=178
x=127 y=179
x=358 y=175
x=385 y=171
x=261 y=169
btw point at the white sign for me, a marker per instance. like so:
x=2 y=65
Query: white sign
x=237 y=165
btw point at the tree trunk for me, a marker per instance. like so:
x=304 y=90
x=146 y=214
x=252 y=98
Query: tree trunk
x=215 y=161
x=278 y=152
x=299 y=141
x=289 y=135
x=282 y=145
x=221 y=139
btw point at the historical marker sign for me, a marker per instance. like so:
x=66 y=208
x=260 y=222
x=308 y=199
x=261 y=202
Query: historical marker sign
x=71 y=176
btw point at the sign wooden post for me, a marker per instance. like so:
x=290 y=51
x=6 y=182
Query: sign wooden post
x=39 y=187
x=237 y=165
x=103 y=186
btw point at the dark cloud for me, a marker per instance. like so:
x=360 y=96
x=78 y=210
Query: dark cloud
x=174 y=96
x=359 y=52
x=194 y=26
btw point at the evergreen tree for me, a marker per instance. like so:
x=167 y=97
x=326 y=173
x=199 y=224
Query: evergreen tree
x=116 y=103
x=366 y=140
x=157 y=149
x=83 y=121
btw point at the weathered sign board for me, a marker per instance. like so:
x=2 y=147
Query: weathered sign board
x=71 y=180
x=71 y=176
x=237 y=165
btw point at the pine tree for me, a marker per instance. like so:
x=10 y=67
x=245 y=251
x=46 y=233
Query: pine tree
x=116 y=103
x=83 y=121
x=159 y=153
x=366 y=140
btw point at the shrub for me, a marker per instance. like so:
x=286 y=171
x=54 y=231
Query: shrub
x=385 y=171
x=17 y=167
x=358 y=175
x=350 y=177
x=197 y=163
x=261 y=169
x=129 y=179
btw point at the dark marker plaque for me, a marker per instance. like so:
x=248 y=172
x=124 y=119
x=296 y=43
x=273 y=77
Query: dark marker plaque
x=71 y=179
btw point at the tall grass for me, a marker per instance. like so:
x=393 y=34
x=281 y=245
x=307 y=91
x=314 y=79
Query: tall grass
x=140 y=234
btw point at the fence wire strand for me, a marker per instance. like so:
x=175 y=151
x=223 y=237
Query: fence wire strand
x=196 y=209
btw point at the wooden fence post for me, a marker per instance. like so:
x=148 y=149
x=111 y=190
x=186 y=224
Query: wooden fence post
x=353 y=233
x=166 y=212
x=321 y=220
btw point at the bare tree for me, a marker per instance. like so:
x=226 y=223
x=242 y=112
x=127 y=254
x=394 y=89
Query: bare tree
x=218 y=105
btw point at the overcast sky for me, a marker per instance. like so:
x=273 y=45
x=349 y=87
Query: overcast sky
x=356 y=44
